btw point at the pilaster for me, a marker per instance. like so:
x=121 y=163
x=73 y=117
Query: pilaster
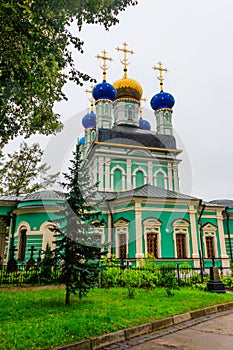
x=193 y=227
x=138 y=230
x=225 y=263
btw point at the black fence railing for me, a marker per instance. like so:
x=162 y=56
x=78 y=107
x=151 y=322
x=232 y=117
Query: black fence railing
x=37 y=275
x=24 y=275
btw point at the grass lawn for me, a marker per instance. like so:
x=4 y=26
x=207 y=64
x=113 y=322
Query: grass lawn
x=38 y=319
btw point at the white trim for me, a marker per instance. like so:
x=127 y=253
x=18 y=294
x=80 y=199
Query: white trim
x=155 y=179
x=180 y=226
x=152 y=225
x=121 y=227
x=210 y=230
x=134 y=175
x=112 y=177
x=47 y=235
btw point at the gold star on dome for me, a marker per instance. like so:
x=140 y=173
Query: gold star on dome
x=104 y=67
x=90 y=99
x=125 y=62
x=160 y=77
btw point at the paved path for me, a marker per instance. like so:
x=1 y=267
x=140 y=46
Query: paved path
x=206 y=333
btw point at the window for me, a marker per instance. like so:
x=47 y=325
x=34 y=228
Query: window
x=139 y=178
x=22 y=244
x=92 y=135
x=121 y=238
x=152 y=237
x=130 y=113
x=152 y=244
x=180 y=246
x=160 y=180
x=209 y=247
x=181 y=238
x=122 y=246
x=117 y=180
x=209 y=234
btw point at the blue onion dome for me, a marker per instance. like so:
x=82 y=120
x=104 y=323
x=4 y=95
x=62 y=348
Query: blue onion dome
x=82 y=141
x=162 y=100
x=104 y=91
x=144 y=124
x=89 y=120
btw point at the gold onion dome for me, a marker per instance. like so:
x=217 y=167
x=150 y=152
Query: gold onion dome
x=127 y=88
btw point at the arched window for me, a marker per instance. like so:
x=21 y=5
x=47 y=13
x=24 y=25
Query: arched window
x=139 y=178
x=48 y=236
x=130 y=113
x=160 y=180
x=92 y=135
x=152 y=244
x=106 y=108
x=117 y=180
x=22 y=244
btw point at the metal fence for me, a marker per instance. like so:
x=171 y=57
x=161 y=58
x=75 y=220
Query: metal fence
x=24 y=275
x=37 y=275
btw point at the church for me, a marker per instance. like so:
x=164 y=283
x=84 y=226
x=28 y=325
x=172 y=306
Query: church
x=137 y=172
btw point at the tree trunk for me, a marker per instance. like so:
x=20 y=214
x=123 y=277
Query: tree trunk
x=67 y=296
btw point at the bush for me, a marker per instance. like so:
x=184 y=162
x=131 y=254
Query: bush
x=111 y=277
x=227 y=281
x=131 y=279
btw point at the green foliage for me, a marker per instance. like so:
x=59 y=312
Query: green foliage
x=228 y=282
x=231 y=267
x=77 y=251
x=200 y=286
x=36 y=58
x=111 y=277
x=131 y=280
x=23 y=172
x=47 y=266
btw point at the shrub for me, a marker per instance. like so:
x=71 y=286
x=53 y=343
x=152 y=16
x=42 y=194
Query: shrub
x=111 y=277
x=131 y=280
x=228 y=281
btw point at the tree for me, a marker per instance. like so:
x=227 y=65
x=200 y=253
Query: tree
x=36 y=60
x=77 y=251
x=23 y=172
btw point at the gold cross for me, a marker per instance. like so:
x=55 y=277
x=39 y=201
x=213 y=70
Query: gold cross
x=91 y=99
x=161 y=70
x=140 y=110
x=125 y=62
x=104 y=66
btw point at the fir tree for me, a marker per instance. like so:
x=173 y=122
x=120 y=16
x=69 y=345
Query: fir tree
x=77 y=251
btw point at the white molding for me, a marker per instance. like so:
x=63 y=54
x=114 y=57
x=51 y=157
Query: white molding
x=180 y=226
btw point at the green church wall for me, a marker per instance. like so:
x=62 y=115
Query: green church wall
x=35 y=220
x=118 y=163
x=39 y=202
x=138 y=164
x=5 y=210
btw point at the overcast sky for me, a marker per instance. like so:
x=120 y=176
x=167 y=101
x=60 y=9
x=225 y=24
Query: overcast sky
x=193 y=39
